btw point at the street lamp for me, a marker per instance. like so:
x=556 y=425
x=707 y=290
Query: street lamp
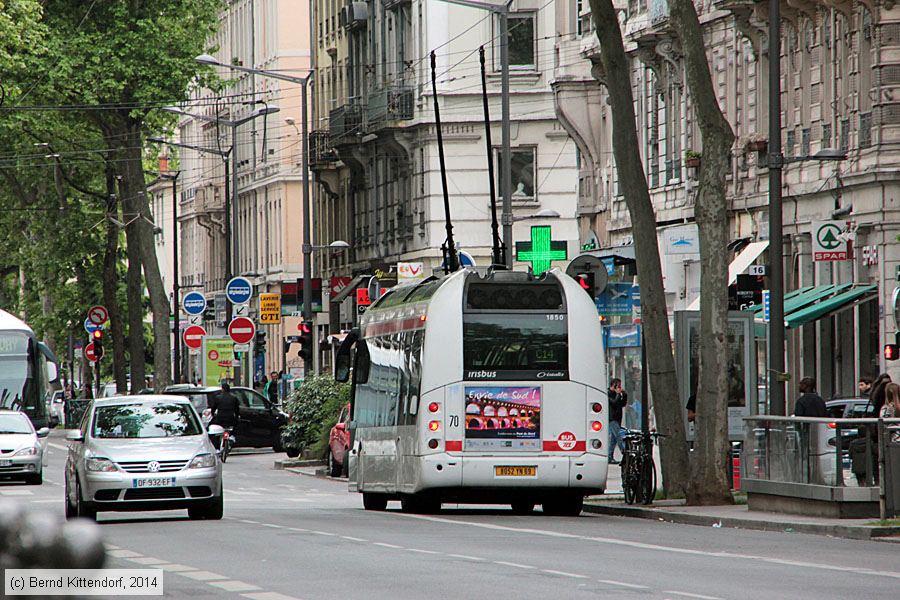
x=206 y=59
x=335 y=245
x=776 y=234
x=230 y=201
x=545 y=213
x=506 y=218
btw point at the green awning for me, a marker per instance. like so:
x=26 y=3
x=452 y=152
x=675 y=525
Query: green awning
x=828 y=305
x=758 y=308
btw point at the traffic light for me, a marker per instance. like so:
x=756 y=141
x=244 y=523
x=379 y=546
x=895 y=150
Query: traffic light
x=260 y=340
x=892 y=351
x=97 y=338
x=306 y=341
x=587 y=283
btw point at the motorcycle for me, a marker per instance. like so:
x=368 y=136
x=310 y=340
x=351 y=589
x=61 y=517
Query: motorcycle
x=223 y=440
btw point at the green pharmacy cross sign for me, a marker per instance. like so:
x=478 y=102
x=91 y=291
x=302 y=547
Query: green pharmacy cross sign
x=541 y=250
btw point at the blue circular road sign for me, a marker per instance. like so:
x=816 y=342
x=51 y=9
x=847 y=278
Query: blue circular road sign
x=90 y=327
x=194 y=303
x=239 y=290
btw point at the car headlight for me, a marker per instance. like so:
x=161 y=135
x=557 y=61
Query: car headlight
x=100 y=465
x=32 y=451
x=203 y=461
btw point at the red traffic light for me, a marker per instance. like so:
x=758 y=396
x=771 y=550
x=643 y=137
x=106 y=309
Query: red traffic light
x=304 y=327
x=97 y=334
x=891 y=352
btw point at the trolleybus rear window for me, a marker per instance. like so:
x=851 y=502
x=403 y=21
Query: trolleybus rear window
x=515 y=346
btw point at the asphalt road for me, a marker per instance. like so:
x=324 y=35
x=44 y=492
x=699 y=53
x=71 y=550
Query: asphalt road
x=289 y=536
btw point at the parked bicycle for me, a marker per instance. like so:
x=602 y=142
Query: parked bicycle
x=638 y=467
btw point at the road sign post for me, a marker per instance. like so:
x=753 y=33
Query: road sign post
x=98 y=315
x=194 y=303
x=241 y=330
x=193 y=337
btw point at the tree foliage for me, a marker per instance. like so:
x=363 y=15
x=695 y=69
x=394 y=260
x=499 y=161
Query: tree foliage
x=314 y=409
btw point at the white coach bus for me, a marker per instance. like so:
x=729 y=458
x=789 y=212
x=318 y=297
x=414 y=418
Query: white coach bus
x=479 y=388
x=27 y=367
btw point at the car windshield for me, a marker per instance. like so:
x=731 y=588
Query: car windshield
x=14 y=423
x=145 y=421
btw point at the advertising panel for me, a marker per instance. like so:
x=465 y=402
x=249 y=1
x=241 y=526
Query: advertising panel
x=218 y=360
x=503 y=417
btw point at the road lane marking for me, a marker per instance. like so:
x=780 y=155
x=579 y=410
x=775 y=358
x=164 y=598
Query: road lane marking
x=124 y=554
x=623 y=584
x=300 y=529
x=147 y=560
x=273 y=526
x=16 y=493
x=690 y=595
x=323 y=533
x=176 y=568
x=420 y=551
x=512 y=564
x=383 y=545
x=111 y=547
x=646 y=546
x=353 y=539
x=235 y=586
x=203 y=575
x=564 y=574
x=249 y=522
x=268 y=596
x=465 y=557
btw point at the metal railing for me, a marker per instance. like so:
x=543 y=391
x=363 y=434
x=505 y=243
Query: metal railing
x=389 y=104
x=860 y=453
x=345 y=123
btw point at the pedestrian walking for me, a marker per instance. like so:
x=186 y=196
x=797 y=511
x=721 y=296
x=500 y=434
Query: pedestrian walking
x=617 y=401
x=809 y=404
x=864 y=385
x=876 y=397
x=891 y=408
x=271 y=389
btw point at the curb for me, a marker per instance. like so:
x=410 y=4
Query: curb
x=293 y=463
x=655 y=514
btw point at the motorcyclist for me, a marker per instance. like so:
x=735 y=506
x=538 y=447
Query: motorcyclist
x=226 y=409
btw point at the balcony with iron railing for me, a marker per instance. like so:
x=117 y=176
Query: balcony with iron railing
x=388 y=105
x=345 y=123
x=321 y=152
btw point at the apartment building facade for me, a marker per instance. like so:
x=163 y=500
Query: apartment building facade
x=374 y=147
x=266 y=232
x=840 y=73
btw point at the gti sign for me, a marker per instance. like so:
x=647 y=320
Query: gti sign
x=194 y=303
x=829 y=241
x=239 y=290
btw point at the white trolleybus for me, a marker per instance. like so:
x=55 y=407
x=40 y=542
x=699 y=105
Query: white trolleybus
x=27 y=367
x=478 y=388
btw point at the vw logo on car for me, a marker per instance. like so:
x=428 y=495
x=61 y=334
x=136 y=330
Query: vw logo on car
x=153 y=466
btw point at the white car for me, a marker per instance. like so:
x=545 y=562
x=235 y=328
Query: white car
x=21 y=452
x=146 y=452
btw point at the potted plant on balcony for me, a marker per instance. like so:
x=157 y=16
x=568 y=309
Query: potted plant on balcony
x=691 y=159
x=757 y=142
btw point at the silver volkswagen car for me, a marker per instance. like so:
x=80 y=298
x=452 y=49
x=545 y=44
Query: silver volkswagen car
x=21 y=451
x=142 y=453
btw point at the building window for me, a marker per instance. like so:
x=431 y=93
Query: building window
x=522 y=165
x=865 y=130
x=845 y=135
x=826 y=135
x=804 y=142
x=790 y=140
x=521 y=42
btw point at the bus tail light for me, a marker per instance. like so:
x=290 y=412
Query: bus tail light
x=434 y=407
x=596 y=425
x=596 y=407
x=596 y=444
x=434 y=425
x=433 y=443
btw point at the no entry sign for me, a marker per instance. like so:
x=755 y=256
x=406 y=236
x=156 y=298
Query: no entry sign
x=89 y=352
x=98 y=315
x=241 y=330
x=193 y=337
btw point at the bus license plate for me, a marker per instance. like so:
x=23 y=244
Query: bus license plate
x=152 y=483
x=515 y=471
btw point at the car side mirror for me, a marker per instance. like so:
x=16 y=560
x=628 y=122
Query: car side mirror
x=75 y=436
x=52 y=372
x=43 y=432
x=341 y=427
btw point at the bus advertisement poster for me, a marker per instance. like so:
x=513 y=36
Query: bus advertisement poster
x=503 y=417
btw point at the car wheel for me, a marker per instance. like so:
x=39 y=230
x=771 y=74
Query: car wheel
x=36 y=479
x=334 y=467
x=374 y=501
x=85 y=510
x=277 y=444
x=292 y=452
x=420 y=505
x=564 y=506
x=212 y=510
x=71 y=509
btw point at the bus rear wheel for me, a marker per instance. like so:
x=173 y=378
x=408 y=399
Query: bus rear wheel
x=374 y=501
x=522 y=507
x=420 y=505
x=564 y=506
